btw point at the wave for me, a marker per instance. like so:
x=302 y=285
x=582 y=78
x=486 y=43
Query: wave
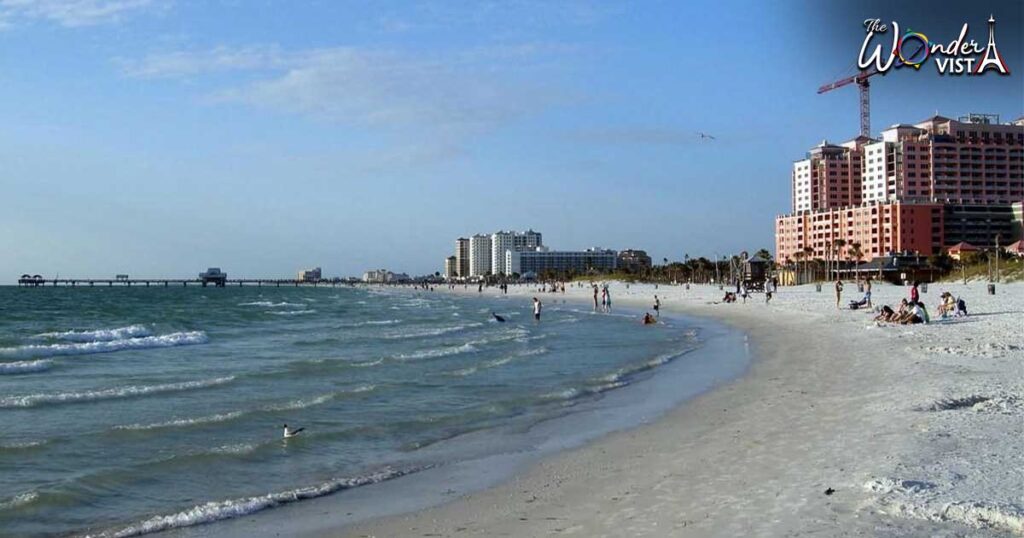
x=319 y=400
x=497 y=362
x=99 y=335
x=627 y=371
x=240 y=448
x=22 y=445
x=572 y=393
x=372 y=322
x=270 y=304
x=290 y=312
x=366 y=364
x=106 y=346
x=221 y=510
x=19 y=500
x=302 y=404
x=438 y=352
x=25 y=367
x=182 y=422
x=432 y=332
x=130 y=391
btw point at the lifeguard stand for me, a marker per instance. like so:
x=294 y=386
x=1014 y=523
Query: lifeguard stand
x=755 y=271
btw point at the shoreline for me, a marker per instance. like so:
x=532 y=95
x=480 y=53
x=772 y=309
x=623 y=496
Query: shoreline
x=911 y=429
x=831 y=402
x=647 y=395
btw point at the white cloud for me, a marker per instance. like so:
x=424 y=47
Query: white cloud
x=69 y=13
x=450 y=93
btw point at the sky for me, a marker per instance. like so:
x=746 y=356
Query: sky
x=160 y=137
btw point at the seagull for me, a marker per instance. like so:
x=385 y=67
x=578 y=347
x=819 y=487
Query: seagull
x=291 y=433
x=497 y=317
x=705 y=136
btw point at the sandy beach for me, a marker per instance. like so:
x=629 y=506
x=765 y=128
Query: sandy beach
x=841 y=427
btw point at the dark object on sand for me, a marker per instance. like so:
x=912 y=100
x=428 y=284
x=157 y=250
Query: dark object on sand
x=497 y=317
x=829 y=491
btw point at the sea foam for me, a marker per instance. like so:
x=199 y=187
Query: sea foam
x=105 y=346
x=221 y=510
x=54 y=398
x=182 y=422
x=25 y=367
x=99 y=335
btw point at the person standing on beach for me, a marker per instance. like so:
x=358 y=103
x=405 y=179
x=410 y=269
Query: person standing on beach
x=867 y=291
x=595 y=297
x=839 y=291
x=915 y=296
x=657 y=307
x=536 y=309
x=608 y=299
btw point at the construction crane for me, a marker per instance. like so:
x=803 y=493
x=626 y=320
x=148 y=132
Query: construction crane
x=865 y=95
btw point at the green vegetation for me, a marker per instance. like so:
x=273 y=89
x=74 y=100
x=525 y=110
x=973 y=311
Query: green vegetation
x=978 y=267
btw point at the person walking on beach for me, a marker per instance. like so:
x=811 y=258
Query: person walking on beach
x=839 y=291
x=536 y=309
x=867 y=291
x=657 y=307
x=915 y=296
x=595 y=297
x=608 y=300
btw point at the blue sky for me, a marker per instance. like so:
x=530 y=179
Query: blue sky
x=159 y=137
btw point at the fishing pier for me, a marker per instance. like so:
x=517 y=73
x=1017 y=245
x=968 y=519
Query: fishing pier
x=211 y=277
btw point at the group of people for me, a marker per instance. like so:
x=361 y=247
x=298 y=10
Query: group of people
x=913 y=311
x=606 y=298
x=908 y=313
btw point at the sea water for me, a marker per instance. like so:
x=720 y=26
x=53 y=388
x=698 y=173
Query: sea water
x=127 y=411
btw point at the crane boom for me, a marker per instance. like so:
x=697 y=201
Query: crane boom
x=865 y=95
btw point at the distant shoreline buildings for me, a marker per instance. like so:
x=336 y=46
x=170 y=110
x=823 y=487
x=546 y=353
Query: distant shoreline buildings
x=917 y=189
x=511 y=253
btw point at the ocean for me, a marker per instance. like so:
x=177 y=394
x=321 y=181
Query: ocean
x=128 y=411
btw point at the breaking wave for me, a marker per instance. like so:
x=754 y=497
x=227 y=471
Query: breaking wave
x=99 y=335
x=32 y=400
x=25 y=367
x=105 y=346
x=221 y=510
x=438 y=352
x=270 y=304
x=432 y=332
x=319 y=400
x=182 y=422
x=19 y=500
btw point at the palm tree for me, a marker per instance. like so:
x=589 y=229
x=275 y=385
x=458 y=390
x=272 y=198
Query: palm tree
x=838 y=245
x=808 y=252
x=798 y=255
x=857 y=254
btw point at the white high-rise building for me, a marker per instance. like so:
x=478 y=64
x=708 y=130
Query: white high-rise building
x=479 y=255
x=504 y=242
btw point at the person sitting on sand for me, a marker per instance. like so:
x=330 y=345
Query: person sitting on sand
x=649 y=319
x=916 y=314
x=903 y=308
x=947 y=305
x=887 y=314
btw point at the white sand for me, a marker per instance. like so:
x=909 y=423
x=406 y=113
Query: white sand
x=918 y=429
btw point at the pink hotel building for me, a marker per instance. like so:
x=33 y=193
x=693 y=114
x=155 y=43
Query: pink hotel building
x=918 y=189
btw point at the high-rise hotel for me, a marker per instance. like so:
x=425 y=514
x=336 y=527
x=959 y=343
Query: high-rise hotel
x=919 y=188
